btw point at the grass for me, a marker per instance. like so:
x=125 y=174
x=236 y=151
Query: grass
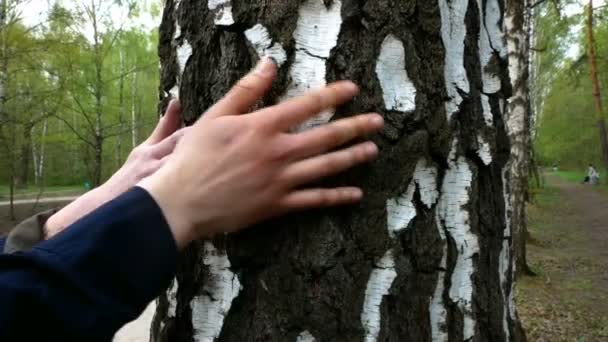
x=49 y=191
x=571 y=176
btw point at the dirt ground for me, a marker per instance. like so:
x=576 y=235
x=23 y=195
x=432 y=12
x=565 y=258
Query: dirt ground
x=568 y=299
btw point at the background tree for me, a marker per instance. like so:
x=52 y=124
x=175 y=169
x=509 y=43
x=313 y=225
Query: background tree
x=568 y=131
x=48 y=122
x=427 y=255
x=518 y=118
x=597 y=96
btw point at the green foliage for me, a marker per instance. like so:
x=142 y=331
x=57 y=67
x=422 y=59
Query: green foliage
x=55 y=93
x=567 y=132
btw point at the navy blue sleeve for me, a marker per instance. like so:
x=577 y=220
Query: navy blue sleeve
x=90 y=280
x=2 y=243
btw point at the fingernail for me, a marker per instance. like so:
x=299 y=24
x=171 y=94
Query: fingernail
x=378 y=120
x=351 y=87
x=266 y=67
x=371 y=149
x=357 y=193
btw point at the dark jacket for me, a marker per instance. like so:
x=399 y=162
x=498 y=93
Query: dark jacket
x=87 y=282
x=27 y=234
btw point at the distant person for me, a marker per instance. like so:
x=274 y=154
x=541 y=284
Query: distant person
x=555 y=168
x=593 y=177
x=110 y=253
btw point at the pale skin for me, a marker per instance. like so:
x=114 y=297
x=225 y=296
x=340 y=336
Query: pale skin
x=234 y=168
x=143 y=161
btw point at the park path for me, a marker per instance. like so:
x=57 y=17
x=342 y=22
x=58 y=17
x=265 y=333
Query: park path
x=46 y=200
x=568 y=249
x=587 y=215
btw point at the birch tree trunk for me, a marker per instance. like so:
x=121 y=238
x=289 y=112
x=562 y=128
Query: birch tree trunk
x=597 y=96
x=134 y=137
x=121 y=109
x=427 y=255
x=24 y=157
x=517 y=119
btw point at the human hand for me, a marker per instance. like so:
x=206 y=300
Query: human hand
x=231 y=171
x=142 y=162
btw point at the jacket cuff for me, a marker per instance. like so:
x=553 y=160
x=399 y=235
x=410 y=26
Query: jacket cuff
x=125 y=248
x=28 y=233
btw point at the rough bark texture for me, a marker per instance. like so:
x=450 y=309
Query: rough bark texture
x=518 y=122
x=597 y=96
x=426 y=256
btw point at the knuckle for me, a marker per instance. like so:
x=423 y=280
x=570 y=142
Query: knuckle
x=279 y=152
x=249 y=82
x=325 y=198
x=336 y=134
x=333 y=164
x=318 y=100
x=359 y=154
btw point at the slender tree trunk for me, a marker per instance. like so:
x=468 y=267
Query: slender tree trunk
x=517 y=118
x=10 y=122
x=134 y=137
x=427 y=255
x=99 y=89
x=601 y=122
x=26 y=146
x=41 y=156
x=121 y=109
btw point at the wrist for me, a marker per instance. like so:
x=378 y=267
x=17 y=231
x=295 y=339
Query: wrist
x=71 y=213
x=172 y=208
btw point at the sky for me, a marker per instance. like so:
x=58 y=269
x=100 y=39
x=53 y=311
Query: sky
x=35 y=11
x=574 y=9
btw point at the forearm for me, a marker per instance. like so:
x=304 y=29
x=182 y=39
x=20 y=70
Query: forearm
x=96 y=276
x=79 y=208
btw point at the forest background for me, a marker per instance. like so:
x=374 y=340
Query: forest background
x=81 y=88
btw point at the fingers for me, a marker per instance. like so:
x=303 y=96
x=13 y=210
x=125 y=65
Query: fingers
x=335 y=134
x=330 y=164
x=247 y=91
x=167 y=146
x=320 y=198
x=168 y=124
x=296 y=111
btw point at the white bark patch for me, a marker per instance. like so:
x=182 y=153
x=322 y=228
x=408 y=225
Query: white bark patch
x=174 y=92
x=491 y=82
x=452 y=212
x=223 y=12
x=453 y=32
x=316 y=35
x=425 y=177
x=172 y=299
x=488 y=117
x=484 y=151
x=495 y=30
x=398 y=90
x=378 y=286
x=260 y=40
x=184 y=52
x=401 y=211
x=306 y=336
x=503 y=270
x=210 y=309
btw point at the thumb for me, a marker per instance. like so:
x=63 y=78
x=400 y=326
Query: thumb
x=249 y=90
x=168 y=124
